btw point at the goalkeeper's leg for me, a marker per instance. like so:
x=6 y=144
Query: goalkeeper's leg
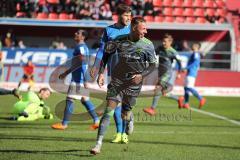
x=31 y=113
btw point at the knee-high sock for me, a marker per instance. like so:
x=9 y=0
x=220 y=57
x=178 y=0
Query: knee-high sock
x=124 y=125
x=186 y=94
x=91 y=110
x=118 y=119
x=5 y=91
x=173 y=97
x=104 y=123
x=68 y=111
x=125 y=121
x=195 y=93
x=155 y=100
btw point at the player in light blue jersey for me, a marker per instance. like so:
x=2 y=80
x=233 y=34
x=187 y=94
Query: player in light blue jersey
x=192 y=71
x=111 y=32
x=78 y=88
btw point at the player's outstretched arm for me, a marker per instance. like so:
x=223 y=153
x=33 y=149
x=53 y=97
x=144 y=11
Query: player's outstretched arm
x=103 y=63
x=64 y=74
x=179 y=63
x=97 y=62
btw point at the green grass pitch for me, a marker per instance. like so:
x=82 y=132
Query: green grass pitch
x=173 y=134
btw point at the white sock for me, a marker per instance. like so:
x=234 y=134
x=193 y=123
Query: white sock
x=100 y=139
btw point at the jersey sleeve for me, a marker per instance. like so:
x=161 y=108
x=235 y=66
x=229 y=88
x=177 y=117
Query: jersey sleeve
x=151 y=59
x=100 y=51
x=175 y=56
x=151 y=54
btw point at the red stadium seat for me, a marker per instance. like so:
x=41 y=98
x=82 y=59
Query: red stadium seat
x=169 y=19
x=220 y=3
x=149 y=18
x=167 y=3
x=198 y=3
x=42 y=2
x=221 y=12
x=178 y=12
x=209 y=4
x=42 y=16
x=188 y=3
x=200 y=20
x=199 y=12
x=188 y=12
x=72 y=16
x=222 y=20
x=168 y=11
x=158 y=19
x=157 y=3
x=20 y=14
x=53 y=1
x=190 y=20
x=63 y=16
x=179 y=19
x=210 y=11
x=178 y=3
x=52 y=16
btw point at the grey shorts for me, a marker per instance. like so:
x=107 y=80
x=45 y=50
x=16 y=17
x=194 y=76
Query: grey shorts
x=120 y=92
x=167 y=79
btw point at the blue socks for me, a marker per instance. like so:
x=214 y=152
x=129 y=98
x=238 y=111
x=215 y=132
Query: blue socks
x=193 y=91
x=68 y=112
x=120 y=123
x=70 y=107
x=91 y=110
x=118 y=119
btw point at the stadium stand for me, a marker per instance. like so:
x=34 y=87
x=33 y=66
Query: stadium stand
x=42 y=16
x=187 y=15
x=70 y=9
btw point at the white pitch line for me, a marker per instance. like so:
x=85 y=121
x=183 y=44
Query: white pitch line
x=216 y=116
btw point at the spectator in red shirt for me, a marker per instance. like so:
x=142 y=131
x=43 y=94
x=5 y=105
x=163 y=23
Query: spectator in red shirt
x=28 y=70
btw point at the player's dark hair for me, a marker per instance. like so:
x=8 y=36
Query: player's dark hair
x=168 y=36
x=84 y=33
x=45 y=89
x=136 y=20
x=123 y=8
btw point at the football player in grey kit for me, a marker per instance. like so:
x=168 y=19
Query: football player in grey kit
x=137 y=59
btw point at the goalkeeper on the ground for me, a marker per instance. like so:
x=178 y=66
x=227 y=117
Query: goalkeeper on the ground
x=32 y=107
